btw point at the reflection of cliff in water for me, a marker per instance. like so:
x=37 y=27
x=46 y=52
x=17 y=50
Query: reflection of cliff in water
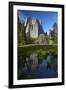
x=30 y=67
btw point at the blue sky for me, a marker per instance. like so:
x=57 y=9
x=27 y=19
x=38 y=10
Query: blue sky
x=45 y=17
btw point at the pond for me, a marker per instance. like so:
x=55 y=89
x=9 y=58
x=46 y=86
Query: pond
x=35 y=67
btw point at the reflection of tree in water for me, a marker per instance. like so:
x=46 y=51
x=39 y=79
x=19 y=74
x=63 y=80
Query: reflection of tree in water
x=34 y=59
x=52 y=62
x=21 y=64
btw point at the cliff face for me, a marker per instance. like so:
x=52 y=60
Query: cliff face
x=34 y=27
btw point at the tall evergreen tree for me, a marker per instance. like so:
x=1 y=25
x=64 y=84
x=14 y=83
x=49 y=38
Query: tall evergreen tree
x=18 y=30
x=23 y=34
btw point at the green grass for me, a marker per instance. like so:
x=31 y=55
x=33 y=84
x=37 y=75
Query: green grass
x=40 y=49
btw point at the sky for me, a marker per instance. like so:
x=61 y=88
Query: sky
x=47 y=18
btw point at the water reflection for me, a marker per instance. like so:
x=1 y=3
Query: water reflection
x=30 y=67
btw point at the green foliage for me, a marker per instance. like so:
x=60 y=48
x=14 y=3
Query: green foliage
x=53 y=34
x=43 y=39
x=19 y=33
x=41 y=53
x=34 y=40
x=55 y=26
x=23 y=34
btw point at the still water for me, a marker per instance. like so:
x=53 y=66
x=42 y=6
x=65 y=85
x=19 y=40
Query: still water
x=31 y=67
